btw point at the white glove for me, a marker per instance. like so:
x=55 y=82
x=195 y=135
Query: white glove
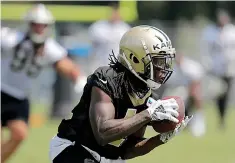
x=80 y=83
x=163 y=109
x=165 y=137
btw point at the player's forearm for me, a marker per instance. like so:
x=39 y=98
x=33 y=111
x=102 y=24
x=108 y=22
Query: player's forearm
x=195 y=92
x=143 y=147
x=68 y=68
x=116 y=129
x=198 y=102
x=72 y=73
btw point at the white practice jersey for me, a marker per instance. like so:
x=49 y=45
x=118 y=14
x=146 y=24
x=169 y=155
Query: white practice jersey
x=188 y=71
x=218 y=50
x=105 y=37
x=19 y=63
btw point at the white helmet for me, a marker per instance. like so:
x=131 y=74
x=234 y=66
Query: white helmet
x=41 y=15
x=147 y=52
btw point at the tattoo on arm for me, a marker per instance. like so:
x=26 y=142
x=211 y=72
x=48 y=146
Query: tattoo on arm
x=107 y=129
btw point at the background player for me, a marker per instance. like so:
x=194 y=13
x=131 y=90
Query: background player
x=24 y=56
x=99 y=34
x=218 y=57
x=109 y=122
x=186 y=82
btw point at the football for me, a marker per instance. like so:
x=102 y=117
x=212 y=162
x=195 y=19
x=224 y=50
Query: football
x=165 y=125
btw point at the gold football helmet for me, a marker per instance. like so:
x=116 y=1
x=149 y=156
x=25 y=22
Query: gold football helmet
x=147 y=52
x=39 y=14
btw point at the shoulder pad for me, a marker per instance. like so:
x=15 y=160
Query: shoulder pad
x=109 y=80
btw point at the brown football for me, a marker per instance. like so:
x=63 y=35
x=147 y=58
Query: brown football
x=165 y=125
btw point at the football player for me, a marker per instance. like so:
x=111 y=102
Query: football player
x=23 y=57
x=109 y=122
x=99 y=34
x=218 y=57
x=186 y=82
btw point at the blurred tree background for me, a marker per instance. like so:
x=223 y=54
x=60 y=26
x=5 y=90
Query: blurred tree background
x=165 y=15
x=169 y=10
x=162 y=10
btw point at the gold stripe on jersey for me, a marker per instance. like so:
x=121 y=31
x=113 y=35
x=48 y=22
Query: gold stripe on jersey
x=136 y=100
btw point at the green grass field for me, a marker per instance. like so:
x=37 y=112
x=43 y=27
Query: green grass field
x=215 y=147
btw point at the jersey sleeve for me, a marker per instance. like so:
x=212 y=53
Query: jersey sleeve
x=97 y=32
x=100 y=80
x=54 y=51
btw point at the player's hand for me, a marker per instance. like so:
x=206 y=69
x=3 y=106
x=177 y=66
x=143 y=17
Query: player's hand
x=163 y=109
x=165 y=137
x=80 y=83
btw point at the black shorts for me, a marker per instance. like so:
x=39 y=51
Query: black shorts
x=13 y=109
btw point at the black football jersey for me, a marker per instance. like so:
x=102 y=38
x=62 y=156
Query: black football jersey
x=114 y=83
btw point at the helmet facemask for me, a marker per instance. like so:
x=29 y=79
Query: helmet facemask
x=157 y=69
x=39 y=32
x=40 y=21
x=152 y=49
